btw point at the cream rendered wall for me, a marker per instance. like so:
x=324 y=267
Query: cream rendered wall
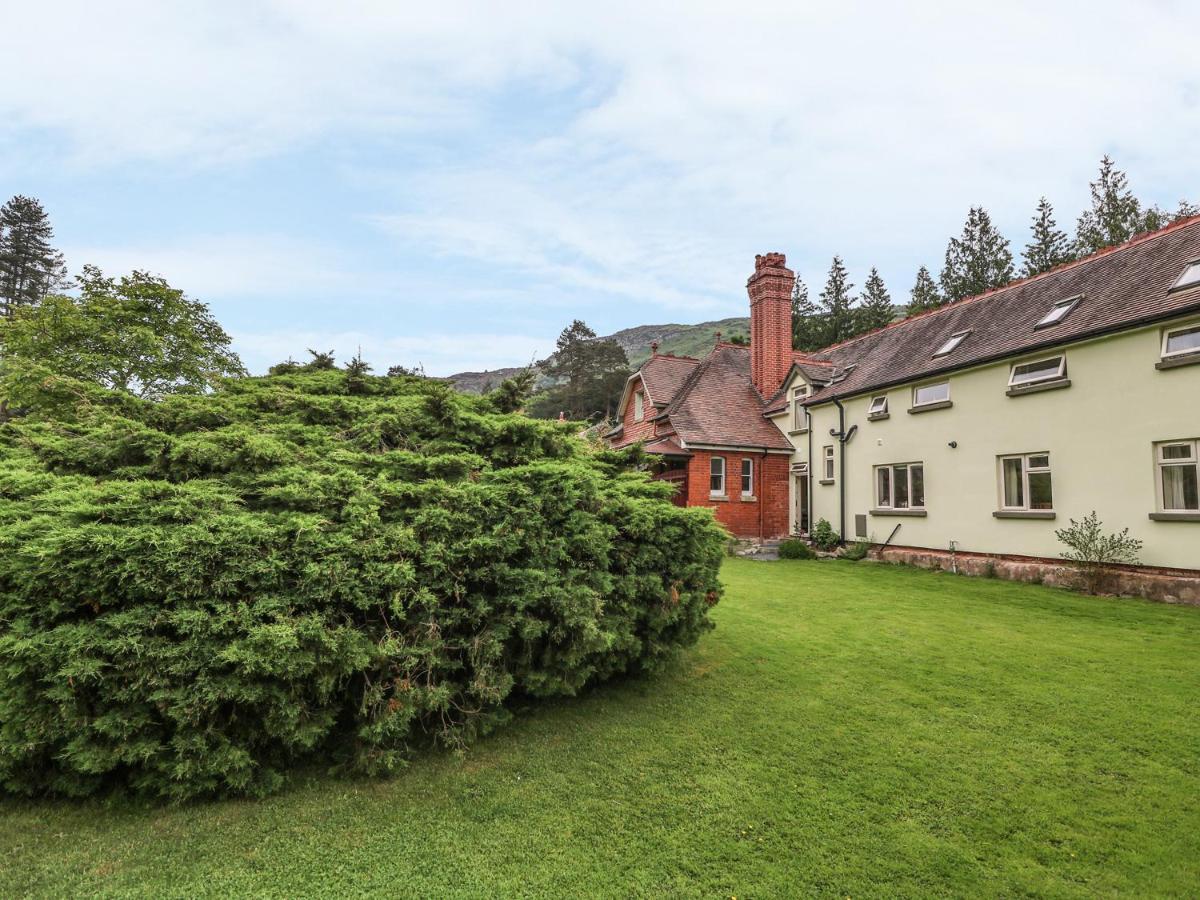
x=1099 y=432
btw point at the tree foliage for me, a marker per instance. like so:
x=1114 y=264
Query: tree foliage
x=200 y=593
x=837 y=303
x=30 y=267
x=1048 y=247
x=875 y=307
x=924 y=294
x=808 y=325
x=593 y=374
x=976 y=261
x=1115 y=214
x=136 y=334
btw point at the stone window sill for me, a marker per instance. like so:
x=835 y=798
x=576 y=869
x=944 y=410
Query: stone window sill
x=1176 y=516
x=930 y=407
x=1024 y=514
x=798 y=431
x=1174 y=362
x=878 y=417
x=1055 y=385
x=915 y=513
x=749 y=498
x=826 y=481
x=721 y=498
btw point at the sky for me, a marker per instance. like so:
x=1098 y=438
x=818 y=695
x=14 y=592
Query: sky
x=450 y=184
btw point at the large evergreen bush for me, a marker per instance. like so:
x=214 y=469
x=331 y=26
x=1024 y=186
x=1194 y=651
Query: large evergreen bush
x=199 y=593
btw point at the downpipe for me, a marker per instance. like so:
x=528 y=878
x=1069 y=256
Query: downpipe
x=842 y=436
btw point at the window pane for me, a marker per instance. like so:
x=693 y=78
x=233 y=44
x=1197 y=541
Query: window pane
x=900 y=486
x=917 y=477
x=1014 y=484
x=933 y=393
x=1177 y=451
x=884 y=491
x=747 y=476
x=1181 y=489
x=1191 y=275
x=1039 y=462
x=1184 y=341
x=1040 y=496
x=1037 y=371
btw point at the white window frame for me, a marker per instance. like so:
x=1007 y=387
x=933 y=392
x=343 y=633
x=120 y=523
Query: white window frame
x=1187 y=351
x=952 y=343
x=1027 y=469
x=879 y=406
x=1160 y=463
x=920 y=387
x=639 y=405
x=1060 y=371
x=747 y=477
x=882 y=502
x=715 y=471
x=1054 y=317
x=799 y=413
x=1181 y=283
x=827 y=470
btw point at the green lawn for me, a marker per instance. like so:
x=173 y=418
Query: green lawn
x=847 y=730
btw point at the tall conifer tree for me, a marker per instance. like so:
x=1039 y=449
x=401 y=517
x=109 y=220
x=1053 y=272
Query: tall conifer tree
x=1115 y=215
x=837 y=303
x=30 y=267
x=808 y=325
x=977 y=261
x=875 y=308
x=924 y=294
x=1048 y=246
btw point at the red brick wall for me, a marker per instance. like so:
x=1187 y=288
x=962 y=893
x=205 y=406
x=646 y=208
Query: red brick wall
x=742 y=517
x=770 y=289
x=635 y=430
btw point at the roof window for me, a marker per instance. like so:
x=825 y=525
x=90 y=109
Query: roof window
x=1059 y=311
x=951 y=344
x=1190 y=276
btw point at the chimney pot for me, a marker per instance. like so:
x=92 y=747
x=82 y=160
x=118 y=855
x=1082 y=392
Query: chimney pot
x=654 y=348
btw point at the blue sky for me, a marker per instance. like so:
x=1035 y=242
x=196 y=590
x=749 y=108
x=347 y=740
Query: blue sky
x=451 y=184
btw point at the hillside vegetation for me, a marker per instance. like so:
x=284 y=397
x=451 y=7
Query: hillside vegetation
x=199 y=594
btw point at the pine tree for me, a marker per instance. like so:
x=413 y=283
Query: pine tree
x=977 y=261
x=808 y=325
x=30 y=268
x=1048 y=247
x=875 y=309
x=924 y=294
x=1115 y=216
x=837 y=304
x=594 y=373
x=1156 y=217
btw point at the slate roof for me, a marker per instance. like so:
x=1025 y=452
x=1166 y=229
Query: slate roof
x=663 y=375
x=1120 y=288
x=718 y=404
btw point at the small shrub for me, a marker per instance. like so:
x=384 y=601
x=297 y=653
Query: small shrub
x=795 y=549
x=824 y=536
x=989 y=569
x=1092 y=551
x=856 y=551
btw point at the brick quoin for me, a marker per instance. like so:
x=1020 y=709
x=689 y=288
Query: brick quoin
x=770 y=290
x=741 y=517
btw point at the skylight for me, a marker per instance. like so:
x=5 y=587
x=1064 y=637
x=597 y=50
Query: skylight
x=1058 y=311
x=951 y=343
x=1190 y=276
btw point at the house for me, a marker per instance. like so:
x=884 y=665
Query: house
x=972 y=431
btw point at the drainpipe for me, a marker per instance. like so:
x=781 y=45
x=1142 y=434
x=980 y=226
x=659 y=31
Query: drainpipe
x=808 y=488
x=840 y=434
x=762 y=494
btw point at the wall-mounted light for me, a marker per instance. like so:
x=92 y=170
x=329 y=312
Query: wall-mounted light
x=953 y=445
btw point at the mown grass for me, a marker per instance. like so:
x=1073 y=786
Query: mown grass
x=848 y=730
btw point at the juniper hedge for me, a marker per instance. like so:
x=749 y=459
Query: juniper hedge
x=199 y=594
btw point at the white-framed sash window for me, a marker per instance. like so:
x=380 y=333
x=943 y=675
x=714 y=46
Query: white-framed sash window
x=1178 y=464
x=716 y=476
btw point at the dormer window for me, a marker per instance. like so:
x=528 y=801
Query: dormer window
x=1190 y=276
x=799 y=413
x=951 y=344
x=1059 y=311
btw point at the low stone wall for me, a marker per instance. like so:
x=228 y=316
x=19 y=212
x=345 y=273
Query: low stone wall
x=1165 y=585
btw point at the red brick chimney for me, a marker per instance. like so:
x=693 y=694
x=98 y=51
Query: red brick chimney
x=770 y=289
